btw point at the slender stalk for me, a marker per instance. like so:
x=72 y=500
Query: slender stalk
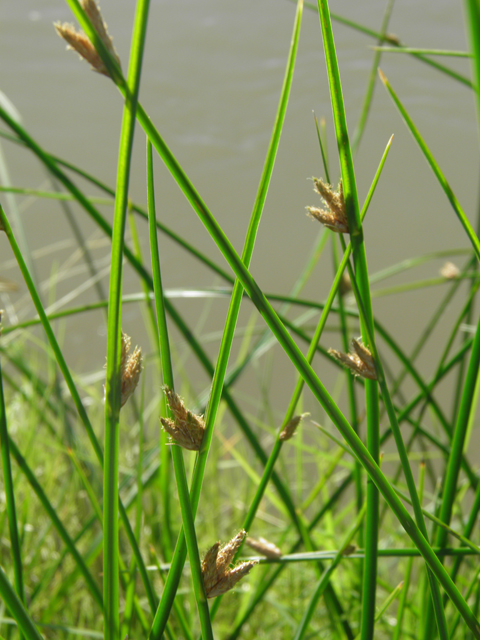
x=406 y=581
x=112 y=384
x=357 y=136
x=325 y=579
x=230 y=324
x=361 y=276
x=16 y=608
x=10 y=495
x=188 y=516
x=435 y=168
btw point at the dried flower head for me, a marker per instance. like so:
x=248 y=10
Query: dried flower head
x=291 y=426
x=345 y=284
x=359 y=360
x=130 y=368
x=218 y=577
x=79 y=41
x=186 y=428
x=266 y=548
x=450 y=271
x=335 y=218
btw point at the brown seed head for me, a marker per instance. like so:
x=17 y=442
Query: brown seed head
x=130 y=369
x=450 y=271
x=79 y=42
x=359 y=360
x=291 y=426
x=186 y=428
x=335 y=217
x=266 y=548
x=345 y=284
x=218 y=578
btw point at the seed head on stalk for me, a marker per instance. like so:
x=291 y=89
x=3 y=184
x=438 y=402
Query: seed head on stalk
x=130 y=368
x=359 y=360
x=289 y=429
x=266 y=548
x=186 y=428
x=79 y=41
x=218 y=577
x=335 y=217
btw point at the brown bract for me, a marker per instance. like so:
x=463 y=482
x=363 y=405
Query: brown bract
x=335 y=217
x=359 y=360
x=266 y=548
x=79 y=41
x=289 y=429
x=218 y=577
x=186 y=428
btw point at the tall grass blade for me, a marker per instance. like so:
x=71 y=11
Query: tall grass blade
x=188 y=516
x=361 y=276
x=10 y=494
x=435 y=168
x=112 y=384
x=229 y=330
x=16 y=608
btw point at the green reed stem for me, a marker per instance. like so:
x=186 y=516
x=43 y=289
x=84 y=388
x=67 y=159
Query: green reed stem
x=362 y=121
x=435 y=168
x=325 y=579
x=16 y=608
x=111 y=593
x=10 y=495
x=366 y=321
x=188 y=517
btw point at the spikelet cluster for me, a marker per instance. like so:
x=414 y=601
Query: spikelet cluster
x=186 y=428
x=130 y=369
x=335 y=215
x=266 y=548
x=450 y=271
x=218 y=577
x=359 y=360
x=289 y=429
x=79 y=41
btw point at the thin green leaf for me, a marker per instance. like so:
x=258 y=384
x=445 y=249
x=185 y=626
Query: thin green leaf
x=435 y=168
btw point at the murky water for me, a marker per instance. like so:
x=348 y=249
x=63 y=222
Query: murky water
x=212 y=77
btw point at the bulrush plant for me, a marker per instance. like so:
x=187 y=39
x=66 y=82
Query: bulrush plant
x=349 y=529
